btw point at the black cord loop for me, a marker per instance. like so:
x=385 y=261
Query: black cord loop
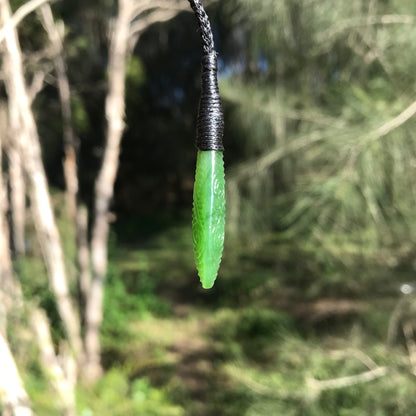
x=210 y=125
x=204 y=26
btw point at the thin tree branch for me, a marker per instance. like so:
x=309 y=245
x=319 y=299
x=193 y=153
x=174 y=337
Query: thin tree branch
x=263 y=389
x=158 y=15
x=142 y=7
x=394 y=123
x=144 y=14
x=36 y=84
x=381 y=131
x=318 y=386
x=253 y=167
x=354 y=22
x=356 y=353
x=20 y=14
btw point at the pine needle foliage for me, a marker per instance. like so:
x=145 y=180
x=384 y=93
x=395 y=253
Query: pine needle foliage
x=328 y=122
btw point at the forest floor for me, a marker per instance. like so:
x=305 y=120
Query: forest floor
x=260 y=341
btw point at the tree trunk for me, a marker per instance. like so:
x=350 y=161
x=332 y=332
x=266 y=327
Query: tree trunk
x=70 y=140
x=17 y=200
x=104 y=185
x=29 y=149
x=83 y=252
x=62 y=384
x=13 y=395
x=77 y=213
x=6 y=271
x=17 y=183
x=124 y=36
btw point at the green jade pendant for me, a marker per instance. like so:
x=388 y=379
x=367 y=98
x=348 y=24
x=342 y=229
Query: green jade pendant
x=208 y=221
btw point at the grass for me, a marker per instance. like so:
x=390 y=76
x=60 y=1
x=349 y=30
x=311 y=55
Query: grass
x=254 y=345
x=251 y=345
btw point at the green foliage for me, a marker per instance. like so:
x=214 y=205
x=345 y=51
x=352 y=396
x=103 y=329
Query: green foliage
x=79 y=114
x=40 y=391
x=129 y=294
x=329 y=160
x=253 y=333
x=29 y=267
x=135 y=73
x=115 y=395
x=289 y=388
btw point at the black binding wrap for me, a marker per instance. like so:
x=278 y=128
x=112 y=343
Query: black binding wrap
x=210 y=125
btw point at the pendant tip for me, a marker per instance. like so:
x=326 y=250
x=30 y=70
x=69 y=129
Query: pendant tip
x=207 y=285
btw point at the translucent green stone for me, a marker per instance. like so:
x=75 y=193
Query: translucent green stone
x=208 y=215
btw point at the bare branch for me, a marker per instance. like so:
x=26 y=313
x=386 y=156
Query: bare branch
x=261 y=388
x=354 y=22
x=318 y=386
x=356 y=353
x=146 y=13
x=393 y=124
x=20 y=14
x=381 y=131
x=158 y=15
x=146 y=6
x=36 y=84
x=251 y=168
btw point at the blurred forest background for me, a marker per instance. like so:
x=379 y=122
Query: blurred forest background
x=101 y=310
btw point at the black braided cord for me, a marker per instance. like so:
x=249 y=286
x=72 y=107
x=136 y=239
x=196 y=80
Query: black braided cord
x=210 y=125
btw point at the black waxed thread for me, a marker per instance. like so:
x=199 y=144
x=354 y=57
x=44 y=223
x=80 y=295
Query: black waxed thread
x=210 y=124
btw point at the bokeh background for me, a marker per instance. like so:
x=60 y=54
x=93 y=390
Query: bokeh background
x=313 y=311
